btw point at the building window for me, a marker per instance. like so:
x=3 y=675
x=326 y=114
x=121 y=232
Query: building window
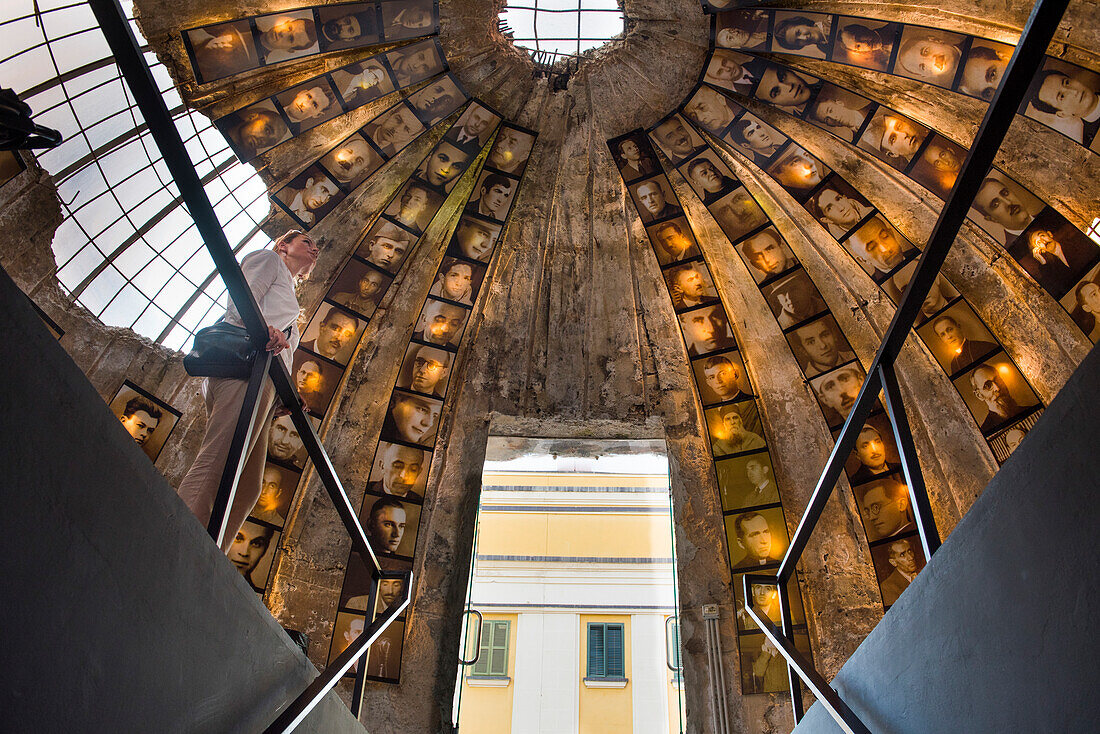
x=673 y=648
x=605 y=651
x=493 y=659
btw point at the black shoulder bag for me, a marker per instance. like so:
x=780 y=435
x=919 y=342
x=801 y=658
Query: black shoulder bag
x=221 y=350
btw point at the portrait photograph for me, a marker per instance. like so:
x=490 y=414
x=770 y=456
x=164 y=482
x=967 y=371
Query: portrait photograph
x=359 y=287
x=316 y=380
x=1054 y=252
x=758 y=140
x=929 y=55
x=793 y=299
x=983 y=68
x=1066 y=98
x=394 y=129
x=412 y=419
x=474 y=127
x=510 y=150
x=633 y=157
x=415 y=63
x=743 y=29
x=763 y=667
x=252 y=550
x=734 y=71
x=492 y=195
x=408 y=19
x=801 y=33
x=363 y=81
x=798 y=171
x=474 y=238
x=836 y=392
x=864 y=42
x=655 y=200
x=734 y=428
x=893 y=137
x=255 y=129
x=1083 y=303
x=690 y=285
x=333 y=333
x=11 y=165
x=345 y=630
x=706 y=330
x=384 y=655
x=458 y=280
x=673 y=240
x=721 y=378
x=284 y=443
x=148 y=420
x=788 y=90
x=310 y=103
x=875 y=455
x=709 y=176
x=839 y=111
x=221 y=50
x=897 y=562
x=443 y=165
x=276 y=493
x=386 y=245
x=358 y=582
x=819 y=346
x=939 y=297
x=958 y=338
x=426 y=370
x=766 y=254
x=996 y=393
x=765 y=597
x=417 y=202
x=390 y=524
x=437 y=99
x=938 y=165
x=885 y=508
x=838 y=206
x=1005 y=442
x=348 y=25
x=390 y=592
x=288 y=35
x=1004 y=208
x=677 y=138
x=441 y=323
x=399 y=471
x=738 y=214
x=711 y=110
x=756 y=538
x=310 y=196
x=879 y=248
x=352 y=161
x=746 y=481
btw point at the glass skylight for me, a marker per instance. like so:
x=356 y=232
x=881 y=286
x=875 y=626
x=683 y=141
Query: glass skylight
x=562 y=27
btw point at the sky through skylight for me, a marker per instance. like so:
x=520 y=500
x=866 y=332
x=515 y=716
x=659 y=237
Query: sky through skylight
x=563 y=27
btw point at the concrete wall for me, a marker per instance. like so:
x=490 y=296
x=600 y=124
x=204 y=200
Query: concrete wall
x=998 y=632
x=119 y=613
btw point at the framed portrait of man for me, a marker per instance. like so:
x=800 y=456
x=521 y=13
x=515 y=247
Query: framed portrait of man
x=255 y=129
x=747 y=481
x=766 y=254
x=738 y=214
x=709 y=176
x=734 y=428
x=386 y=245
x=690 y=285
x=277 y=490
x=706 y=330
x=1065 y=98
x=996 y=393
x=885 y=508
x=221 y=50
x=838 y=206
x=351 y=162
x=864 y=42
x=458 y=280
x=148 y=419
x=763 y=667
x=721 y=377
x=441 y=323
x=938 y=165
x=1003 y=207
x=798 y=171
x=765 y=597
x=492 y=195
x=793 y=299
x=333 y=333
x=412 y=419
x=442 y=166
x=801 y=33
x=474 y=238
x=897 y=562
x=929 y=55
x=984 y=68
x=958 y=338
x=893 y=137
x=875 y=455
x=384 y=655
x=939 y=297
x=316 y=380
x=839 y=111
x=673 y=241
x=788 y=90
x=399 y=471
x=347 y=628
x=879 y=248
x=417 y=201
x=820 y=346
x=836 y=392
x=676 y=138
x=743 y=29
x=363 y=81
x=711 y=110
x=408 y=19
x=755 y=138
x=359 y=287
x=426 y=369
x=757 y=538
x=284 y=442
x=309 y=196
x=310 y=103
x=473 y=127
x=510 y=150
x=347 y=25
x=655 y=200
x=291 y=34
x=395 y=128
x=252 y=550
x=633 y=156
x=732 y=70
x=437 y=99
x=356 y=591
x=1054 y=252
x=390 y=524
x=417 y=62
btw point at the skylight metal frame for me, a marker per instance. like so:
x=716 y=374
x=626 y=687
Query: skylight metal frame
x=556 y=53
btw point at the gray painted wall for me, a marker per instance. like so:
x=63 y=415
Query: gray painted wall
x=119 y=614
x=999 y=632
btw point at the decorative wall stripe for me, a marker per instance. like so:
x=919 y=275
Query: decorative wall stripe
x=756 y=528
x=220 y=50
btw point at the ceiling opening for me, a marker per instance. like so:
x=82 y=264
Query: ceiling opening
x=554 y=29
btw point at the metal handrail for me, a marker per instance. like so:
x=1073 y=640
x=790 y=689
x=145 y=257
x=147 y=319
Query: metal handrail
x=128 y=55
x=1038 y=32
x=480 y=632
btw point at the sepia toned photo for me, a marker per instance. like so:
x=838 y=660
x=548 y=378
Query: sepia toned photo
x=738 y=214
x=355 y=594
x=492 y=196
x=310 y=103
x=474 y=127
x=221 y=50
x=310 y=196
x=801 y=33
x=399 y=471
x=1054 y=252
x=893 y=137
x=758 y=140
x=351 y=162
x=958 y=338
x=1005 y=442
x=394 y=129
x=408 y=19
x=386 y=245
x=793 y=299
x=876 y=453
x=287 y=35
x=864 y=42
x=766 y=254
x=938 y=165
x=148 y=420
x=677 y=139
x=819 y=346
x=746 y=481
x=939 y=297
x=711 y=110
x=839 y=111
x=255 y=129
x=441 y=323
x=706 y=330
x=333 y=333
x=879 y=248
x=709 y=177
x=884 y=507
x=1083 y=303
x=984 y=68
x=390 y=524
x=363 y=82
x=359 y=288
x=673 y=240
x=798 y=171
x=346 y=629
x=252 y=550
x=765 y=598
x=929 y=55
x=1066 y=98
x=442 y=167
x=415 y=63
x=348 y=25
x=1004 y=208
x=690 y=285
x=458 y=280
x=425 y=370
x=743 y=29
x=734 y=71
x=897 y=563
x=510 y=150
x=633 y=157
x=734 y=428
x=474 y=238
x=316 y=380
x=721 y=378
x=417 y=202
x=788 y=90
x=836 y=392
x=763 y=668
x=411 y=419
x=437 y=99
x=276 y=492
x=996 y=393
x=838 y=206
x=383 y=660
x=284 y=443
x=655 y=200
x=756 y=538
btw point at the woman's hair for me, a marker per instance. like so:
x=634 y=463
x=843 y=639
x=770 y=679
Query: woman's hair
x=281 y=245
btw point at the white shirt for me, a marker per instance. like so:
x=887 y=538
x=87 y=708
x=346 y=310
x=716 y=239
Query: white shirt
x=272 y=285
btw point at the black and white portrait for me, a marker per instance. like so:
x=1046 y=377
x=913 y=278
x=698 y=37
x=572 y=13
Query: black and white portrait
x=148 y=420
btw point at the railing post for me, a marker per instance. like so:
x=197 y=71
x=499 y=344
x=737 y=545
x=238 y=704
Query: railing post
x=797 y=706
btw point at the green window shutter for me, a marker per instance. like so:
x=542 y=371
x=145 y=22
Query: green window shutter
x=498 y=662
x=481 y=667
x=614 y=636
x=596 y=667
